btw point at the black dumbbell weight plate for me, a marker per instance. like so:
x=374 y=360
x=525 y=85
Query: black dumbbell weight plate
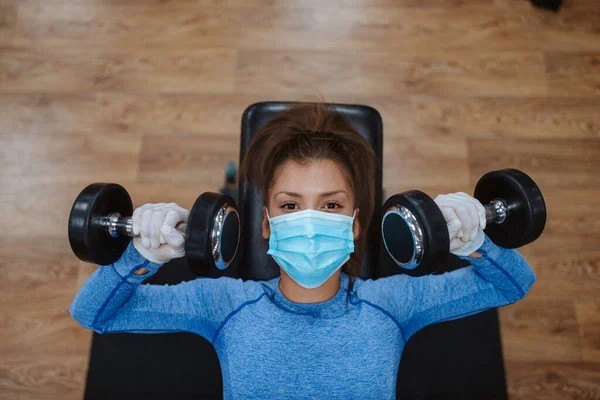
x=399 y=234
x=212 y=234
x=527 y=210
x=88 y=238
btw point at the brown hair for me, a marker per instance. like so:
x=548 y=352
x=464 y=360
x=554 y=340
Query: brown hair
x=315 y=131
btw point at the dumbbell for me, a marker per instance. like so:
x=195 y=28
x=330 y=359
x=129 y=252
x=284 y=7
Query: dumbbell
x=415 y=233
x=101 y=227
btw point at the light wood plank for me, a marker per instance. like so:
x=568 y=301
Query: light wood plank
x=496 y=117
x=70 y=71
x=565 y=171
x=390 y=73
x=8 y=18
x=281 y=3
x=540 y=330
x=117 y=26
x=569 y=228
x=44 y=351
x=552 y=380
x=174 y=114
x=588 y=316
x=221 y=114
x=185 y=159
x=47 y=114
x=423 y=164
x=453 y=4
x=573 y=74
x=26 y=271
x=372 y=28
x=565 y=275
x=69 y=158
x=550 y=163
x=41 y=210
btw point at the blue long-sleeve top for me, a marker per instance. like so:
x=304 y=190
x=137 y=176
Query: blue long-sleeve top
x=270 y=347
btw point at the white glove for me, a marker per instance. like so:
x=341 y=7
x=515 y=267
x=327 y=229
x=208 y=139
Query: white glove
x=465 y=217
x=156 y=238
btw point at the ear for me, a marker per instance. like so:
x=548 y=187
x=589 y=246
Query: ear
x=266 y=228
x=356 y=225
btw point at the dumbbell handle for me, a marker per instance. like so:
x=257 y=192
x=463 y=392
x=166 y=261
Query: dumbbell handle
x=116 y=225
x=497 y=211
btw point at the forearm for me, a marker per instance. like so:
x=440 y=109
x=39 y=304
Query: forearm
x=497 y=278
x=108 y=289
x=505 y=269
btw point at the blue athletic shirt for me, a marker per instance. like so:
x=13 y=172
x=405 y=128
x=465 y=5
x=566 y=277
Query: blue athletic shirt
x=269 y=347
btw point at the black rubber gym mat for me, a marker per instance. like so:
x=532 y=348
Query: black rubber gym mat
x=459 y=359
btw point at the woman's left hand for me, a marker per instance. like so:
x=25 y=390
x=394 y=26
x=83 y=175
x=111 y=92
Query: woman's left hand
x=465 y=217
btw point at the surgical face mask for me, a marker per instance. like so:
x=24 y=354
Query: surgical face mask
x=311 y=245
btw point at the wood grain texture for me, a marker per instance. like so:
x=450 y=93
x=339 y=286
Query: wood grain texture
x=565 y=171
x=573 y=74
x=504 y=117
x=416 y=163
x=324 y=26
x=390 y=73
x=588 y=317
x=519 y=5
x=55 y=363
x=68 y=70
x=150 y=94
x=44 y=351
x=551 y=328
x=45 y=114
x=50 y=221
x=570 y=274
x=172 y=114
x=22 y=273
x=190 y=114
x=8 y=18
x=69 y=158
x=185 y=159
x=567 y=163
x=553 y=380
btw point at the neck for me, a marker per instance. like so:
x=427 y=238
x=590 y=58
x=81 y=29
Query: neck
x=296 y=293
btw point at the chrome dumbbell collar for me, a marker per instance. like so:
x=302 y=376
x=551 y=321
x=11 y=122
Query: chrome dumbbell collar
x=215 y=235
x=498 y=211
x=417 y=236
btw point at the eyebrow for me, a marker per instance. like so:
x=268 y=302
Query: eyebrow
x=325 y=194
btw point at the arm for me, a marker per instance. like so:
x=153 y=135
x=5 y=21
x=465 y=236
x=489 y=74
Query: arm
x=113 y=300
x=498 y=278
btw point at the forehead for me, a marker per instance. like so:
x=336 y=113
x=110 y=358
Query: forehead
x=315 y=176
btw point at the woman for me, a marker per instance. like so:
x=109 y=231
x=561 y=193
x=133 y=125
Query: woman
x=316 y=330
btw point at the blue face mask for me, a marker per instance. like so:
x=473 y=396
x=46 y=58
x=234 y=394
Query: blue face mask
x=311 y=245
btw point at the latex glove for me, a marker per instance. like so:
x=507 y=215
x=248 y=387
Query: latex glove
x=158 y=240
x=465 y=217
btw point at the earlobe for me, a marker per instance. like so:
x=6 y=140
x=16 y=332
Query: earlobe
x=356 y=230
x=266 y=229
x=356 y=225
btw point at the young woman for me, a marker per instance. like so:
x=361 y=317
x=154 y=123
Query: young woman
x=317 y=330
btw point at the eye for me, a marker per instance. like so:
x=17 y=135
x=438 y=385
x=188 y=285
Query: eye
x=285 y=206
x=335 y=205
x=330 y=205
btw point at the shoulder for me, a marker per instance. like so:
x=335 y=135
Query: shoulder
x=245 y=290
x=255 y=289
x=225 y=288
x=372 y=289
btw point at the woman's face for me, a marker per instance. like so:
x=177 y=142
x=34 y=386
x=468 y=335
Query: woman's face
x=320 y=185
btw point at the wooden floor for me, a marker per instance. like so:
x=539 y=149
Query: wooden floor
x=149 y=93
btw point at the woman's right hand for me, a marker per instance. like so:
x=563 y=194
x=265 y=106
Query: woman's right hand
x=156 y=238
